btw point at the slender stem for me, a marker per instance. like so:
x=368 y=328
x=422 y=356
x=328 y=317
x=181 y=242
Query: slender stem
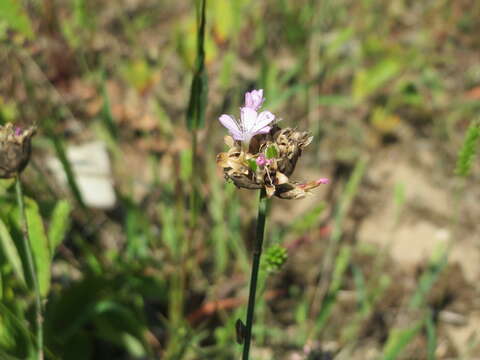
x=194 y=194
x=257 y=253
x=31 y=268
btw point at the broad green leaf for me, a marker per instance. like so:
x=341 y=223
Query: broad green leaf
x=10 y=250
x=39 y=244
x=13 y=14
x=59 y=224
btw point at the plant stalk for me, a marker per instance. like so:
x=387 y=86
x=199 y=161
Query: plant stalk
x=257 y=253
x=31 y=268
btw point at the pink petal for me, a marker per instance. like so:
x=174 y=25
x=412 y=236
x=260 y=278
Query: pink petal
x=323 y=181
x=263 y=119
x=248 y=100
x=262 y=160
x=232 y=126
x=248 y=118
x=264 y=130
x=254 y=99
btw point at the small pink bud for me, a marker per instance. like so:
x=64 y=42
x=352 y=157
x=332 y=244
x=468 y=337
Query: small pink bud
x=254 y=99
x=262 y=160
x=323 y=181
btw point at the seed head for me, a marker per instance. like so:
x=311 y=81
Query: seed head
x=15 y=149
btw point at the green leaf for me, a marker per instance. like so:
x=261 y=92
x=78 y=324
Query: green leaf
x=341 y=264
x=106 y=112
x=59 y=224
x=398 y=340
x=198 y=101
x=39 y=244
x=15 y=337
x=271 y=152
x=367 y=81
x=10 y=250
x=67 y=167
x=199 y=89
x=431 y=336
x=252 y=164
x=13 y=14
x=436 y=265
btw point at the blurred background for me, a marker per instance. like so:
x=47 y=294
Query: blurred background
x=383 y=263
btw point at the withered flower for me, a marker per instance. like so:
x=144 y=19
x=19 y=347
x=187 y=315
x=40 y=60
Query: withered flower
x=15 y=149
x=268 y=158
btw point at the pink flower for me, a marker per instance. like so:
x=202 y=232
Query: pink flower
x=251 y=123
x=262 y=160
x=254 y=99
x=323 y=181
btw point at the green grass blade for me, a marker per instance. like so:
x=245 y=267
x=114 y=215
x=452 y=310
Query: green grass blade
x=10 y=250
x=341 y=265
x=40 y=245
x=59 y=224
x=399 y=339
x=106 y=112
x=429 y=277
x=199 y=88
x=431 y=336
x=72 y=182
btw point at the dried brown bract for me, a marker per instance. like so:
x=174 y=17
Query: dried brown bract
x=15 y=149
x=268 y=163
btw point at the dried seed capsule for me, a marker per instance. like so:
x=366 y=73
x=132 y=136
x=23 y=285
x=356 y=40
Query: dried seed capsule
x=268 y=163
x=15 y=149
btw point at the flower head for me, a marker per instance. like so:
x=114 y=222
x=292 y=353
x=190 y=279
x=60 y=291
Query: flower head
x=254 y=99
x=15 y=148
x=270 y=158
x=251 y=123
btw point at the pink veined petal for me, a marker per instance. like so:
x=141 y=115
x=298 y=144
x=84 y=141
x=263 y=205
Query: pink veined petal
x=264 y=130
x=257 y=98
x=248 y=119
x=248 y=100
x=254 y=99
x=263 y=119
x=232 y=126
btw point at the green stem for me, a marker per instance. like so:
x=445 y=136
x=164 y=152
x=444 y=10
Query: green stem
x=31 y=268
x=257 y=253
x=194 y=194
